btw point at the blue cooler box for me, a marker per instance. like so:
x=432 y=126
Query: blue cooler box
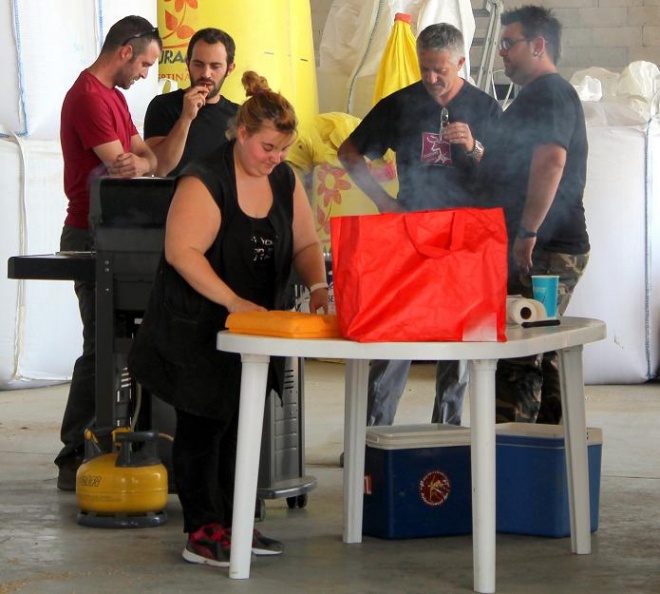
x=532 y=488
x=417 y=481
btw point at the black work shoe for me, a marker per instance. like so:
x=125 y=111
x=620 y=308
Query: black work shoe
x=66 y=478
x=210 y=545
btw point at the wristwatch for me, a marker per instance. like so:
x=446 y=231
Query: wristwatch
x=477 y=151
x=525 y=234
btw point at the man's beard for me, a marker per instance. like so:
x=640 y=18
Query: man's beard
x=214 y=88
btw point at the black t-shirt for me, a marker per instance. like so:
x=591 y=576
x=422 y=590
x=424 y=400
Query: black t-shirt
x=432 y=174
x=546 y=111
x=207 y=130
x=259 y=264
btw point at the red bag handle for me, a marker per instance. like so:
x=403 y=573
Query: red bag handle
x=427 y=243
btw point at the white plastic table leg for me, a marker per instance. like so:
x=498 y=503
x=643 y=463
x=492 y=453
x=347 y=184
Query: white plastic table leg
x=355 y=431
x=250 y=422
x=482 y=421
x=575 y=439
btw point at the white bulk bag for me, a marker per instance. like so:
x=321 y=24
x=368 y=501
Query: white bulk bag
x=620 y=286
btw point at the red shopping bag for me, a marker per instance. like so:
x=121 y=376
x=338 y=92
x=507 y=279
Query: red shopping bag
x=437 y=275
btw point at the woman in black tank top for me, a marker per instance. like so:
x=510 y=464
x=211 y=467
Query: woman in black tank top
x=238 y=222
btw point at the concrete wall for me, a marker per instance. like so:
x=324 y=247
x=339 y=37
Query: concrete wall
x=605 y=33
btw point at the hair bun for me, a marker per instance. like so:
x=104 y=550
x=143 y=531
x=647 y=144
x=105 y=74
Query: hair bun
x=254 y=84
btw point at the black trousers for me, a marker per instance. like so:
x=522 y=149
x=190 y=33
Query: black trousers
x=80 y=407
x=203 y=461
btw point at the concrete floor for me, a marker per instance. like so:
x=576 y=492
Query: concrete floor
x=43 y=549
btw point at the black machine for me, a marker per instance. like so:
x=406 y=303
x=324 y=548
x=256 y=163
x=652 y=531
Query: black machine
x=127 y=219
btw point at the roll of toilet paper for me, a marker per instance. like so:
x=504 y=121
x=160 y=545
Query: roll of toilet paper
x=520 y=309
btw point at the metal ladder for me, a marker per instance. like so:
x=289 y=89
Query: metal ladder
x=487 y=19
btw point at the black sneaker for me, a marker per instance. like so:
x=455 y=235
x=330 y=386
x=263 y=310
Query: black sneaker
x=210 y=545
x=262 y=545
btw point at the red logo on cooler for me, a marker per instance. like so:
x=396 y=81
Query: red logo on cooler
x=367 y=485
x=435 y=488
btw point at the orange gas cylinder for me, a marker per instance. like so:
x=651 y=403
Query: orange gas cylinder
x=127 y=488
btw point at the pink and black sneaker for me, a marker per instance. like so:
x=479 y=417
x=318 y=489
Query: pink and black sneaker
x=210 y=545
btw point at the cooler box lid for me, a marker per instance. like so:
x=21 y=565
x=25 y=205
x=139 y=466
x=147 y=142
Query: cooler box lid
x=399 y=437
x=547 y=436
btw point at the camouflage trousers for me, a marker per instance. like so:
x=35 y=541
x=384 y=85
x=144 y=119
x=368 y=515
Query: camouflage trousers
x=527 y=389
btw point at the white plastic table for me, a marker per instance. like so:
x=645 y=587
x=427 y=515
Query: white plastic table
x=566 y=338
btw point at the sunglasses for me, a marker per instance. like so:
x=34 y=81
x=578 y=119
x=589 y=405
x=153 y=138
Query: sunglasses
x=507 y=42
x=153 y=32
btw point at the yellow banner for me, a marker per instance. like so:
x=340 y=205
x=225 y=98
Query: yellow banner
x=273 y=38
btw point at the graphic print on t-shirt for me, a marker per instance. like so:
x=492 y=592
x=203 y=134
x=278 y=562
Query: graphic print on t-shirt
x=435 y=151
x=262 y=248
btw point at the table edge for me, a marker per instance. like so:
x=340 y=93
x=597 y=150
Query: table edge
x=521 y=342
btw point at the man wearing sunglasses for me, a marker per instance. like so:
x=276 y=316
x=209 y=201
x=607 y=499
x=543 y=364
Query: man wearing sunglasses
x=536 y=169
x=98 y=137
x=434 y=126
x=185 y=125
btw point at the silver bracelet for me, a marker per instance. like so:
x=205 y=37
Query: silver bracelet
x=318 y=286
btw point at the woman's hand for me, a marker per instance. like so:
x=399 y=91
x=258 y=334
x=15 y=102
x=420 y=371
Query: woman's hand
x=239 y=304
x=319 y=300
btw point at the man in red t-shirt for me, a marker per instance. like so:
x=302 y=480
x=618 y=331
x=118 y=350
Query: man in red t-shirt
x=98 y=137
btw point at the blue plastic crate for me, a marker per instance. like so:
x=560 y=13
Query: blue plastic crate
x=532 y=488
x=417 y=481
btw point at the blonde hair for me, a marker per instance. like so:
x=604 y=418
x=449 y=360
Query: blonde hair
x=262 y=106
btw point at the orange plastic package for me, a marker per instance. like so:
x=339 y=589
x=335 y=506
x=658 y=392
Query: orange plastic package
x=283 y=324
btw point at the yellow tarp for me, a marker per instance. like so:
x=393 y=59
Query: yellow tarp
x=399 y=66
x=331 y=190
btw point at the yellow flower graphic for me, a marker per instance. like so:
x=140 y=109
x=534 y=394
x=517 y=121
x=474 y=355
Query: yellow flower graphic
x=331 y=183
x=175 y=22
